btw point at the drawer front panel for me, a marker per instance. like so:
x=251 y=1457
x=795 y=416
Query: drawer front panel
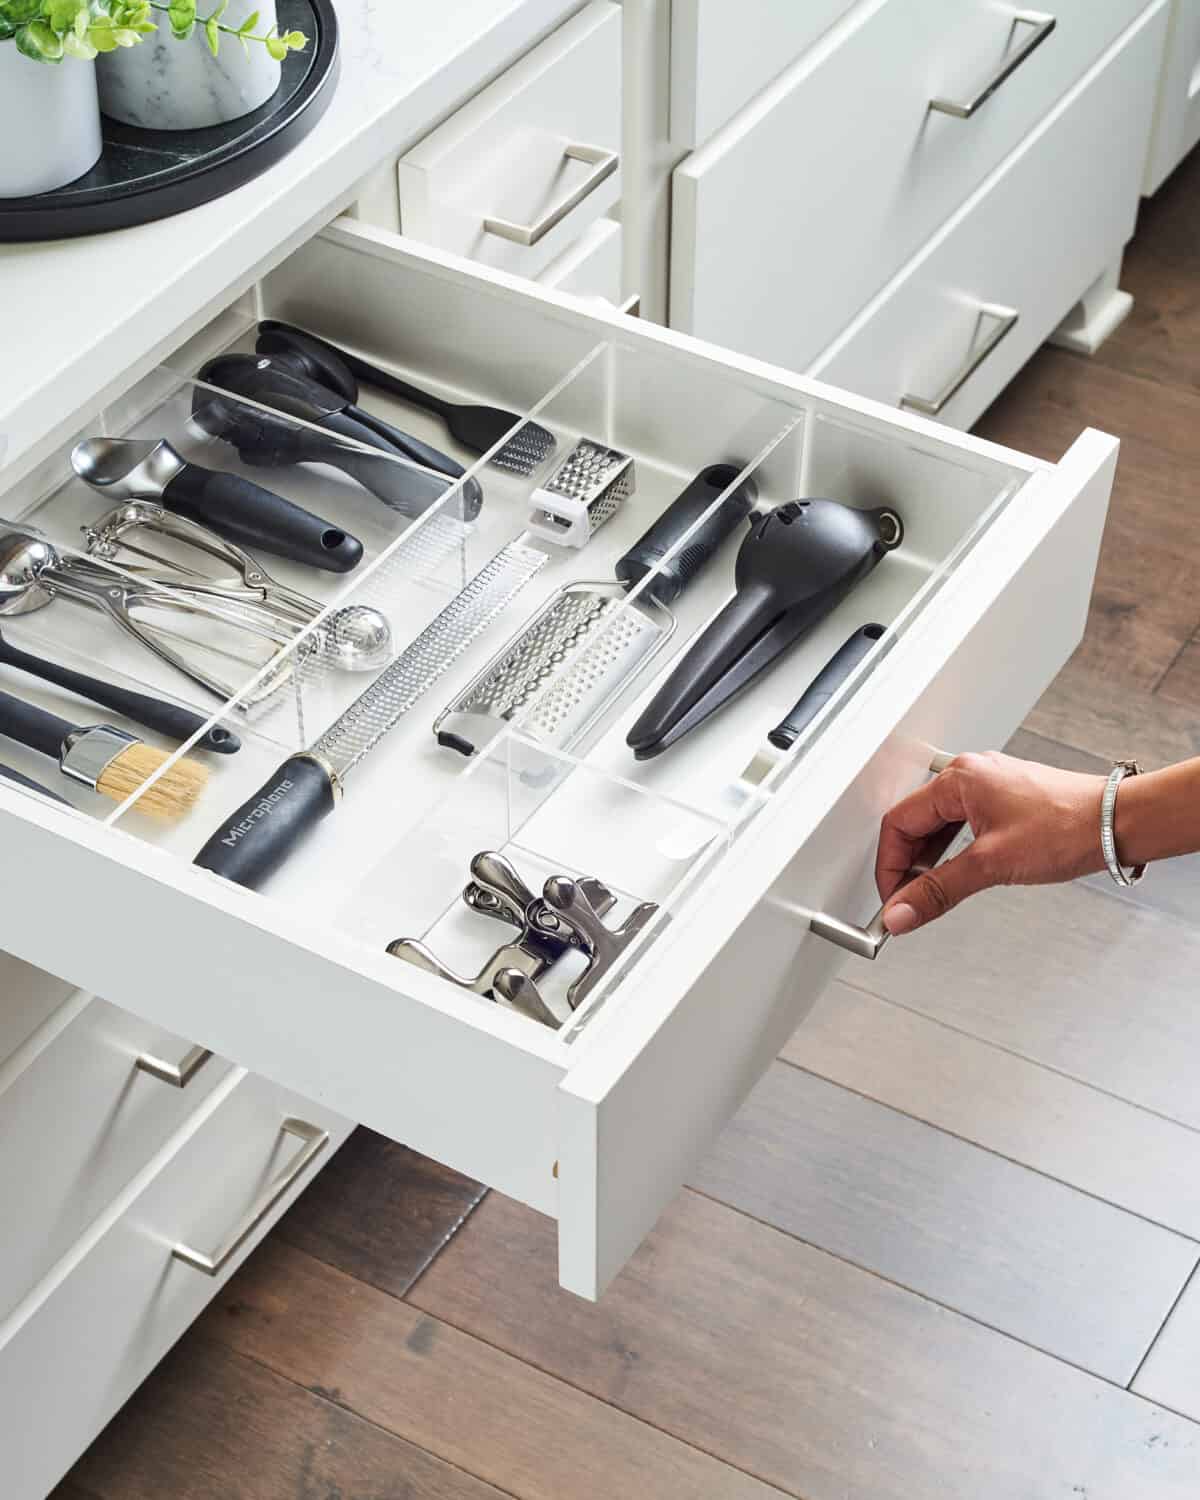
x=591 y=267
x=722 y=55
x=507 y=160
x=639 y=1113
x=928 y=327
x=1177 y=118
x=76 y=1102
x=28 y=996
x=83 y=1342
x=792 y=218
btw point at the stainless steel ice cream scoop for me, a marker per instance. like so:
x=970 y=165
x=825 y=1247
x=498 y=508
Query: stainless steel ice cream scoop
x=236 y=508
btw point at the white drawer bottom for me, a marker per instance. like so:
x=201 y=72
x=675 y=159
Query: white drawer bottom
x=92 y=1331
x=1030 y=242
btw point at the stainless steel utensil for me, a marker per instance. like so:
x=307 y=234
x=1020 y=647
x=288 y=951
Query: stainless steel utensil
x=587 y=489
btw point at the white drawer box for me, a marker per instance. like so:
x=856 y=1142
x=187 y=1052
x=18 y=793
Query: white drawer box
x=926 y=332
x=597 y=1123
x=722 y=54
x=1177 y=117
x=80 y=1105
x=78 y=1347
x=494 y=180
x=795 y=215
x=27 y=997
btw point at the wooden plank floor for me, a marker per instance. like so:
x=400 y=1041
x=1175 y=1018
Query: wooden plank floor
x=947 y=1249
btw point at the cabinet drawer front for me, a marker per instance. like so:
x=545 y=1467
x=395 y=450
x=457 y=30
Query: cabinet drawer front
x=591 y=267
x=27 y=997
x=75 y=1101
x=797 y=213
x=294 y=982
x=928 y=325
x=81 y=1344
x=1177 y=118
x=721 y=55
x=546 y=134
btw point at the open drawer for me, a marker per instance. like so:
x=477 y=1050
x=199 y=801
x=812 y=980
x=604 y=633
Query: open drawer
x=597 y=1121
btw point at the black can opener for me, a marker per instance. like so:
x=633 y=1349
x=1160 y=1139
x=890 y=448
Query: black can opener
x=798 y=563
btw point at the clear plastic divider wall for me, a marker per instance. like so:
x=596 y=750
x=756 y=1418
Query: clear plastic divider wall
x=487 y=818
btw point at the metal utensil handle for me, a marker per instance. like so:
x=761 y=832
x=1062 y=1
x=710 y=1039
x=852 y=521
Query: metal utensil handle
x=315 y=1140
x=1042 y=25
x=1006 y=321
x=603 y=163
x=179 y=1074
x=867 y=941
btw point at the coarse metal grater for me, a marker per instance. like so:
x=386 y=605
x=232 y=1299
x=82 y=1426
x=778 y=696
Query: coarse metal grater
x=563 y=670
x=586 y=490
x=526 y=450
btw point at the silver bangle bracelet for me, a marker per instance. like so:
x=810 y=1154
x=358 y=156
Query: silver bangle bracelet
x=1108 y=837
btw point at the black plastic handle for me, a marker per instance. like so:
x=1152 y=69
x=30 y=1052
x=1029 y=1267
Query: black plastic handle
x=151 y=713
x=405 y=488
x=32 y=726
x=682 y=513
x=823 y=686
x=412 y=447
x=8 y=774
x=255 y=517
x=330 y=364
x=258 y=838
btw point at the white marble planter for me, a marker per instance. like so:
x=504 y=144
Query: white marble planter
x=168 y=85
x=49 y=123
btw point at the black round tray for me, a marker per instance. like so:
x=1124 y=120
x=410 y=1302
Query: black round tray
x=151 y=174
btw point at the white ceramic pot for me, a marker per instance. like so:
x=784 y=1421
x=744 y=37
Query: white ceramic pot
x=49 y=123
x=168 y=85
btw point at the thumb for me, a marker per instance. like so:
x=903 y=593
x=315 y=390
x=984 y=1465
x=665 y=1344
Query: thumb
x=934 y=893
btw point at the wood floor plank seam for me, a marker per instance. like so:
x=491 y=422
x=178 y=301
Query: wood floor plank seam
x=319 y=1393
x=1014 y=1161
x=549 y=1374
x=1175 y=660
x=911 y=1291
x=1025 y=1057
x=1158 y=1333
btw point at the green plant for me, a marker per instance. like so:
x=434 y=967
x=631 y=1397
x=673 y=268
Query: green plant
x=49 y=30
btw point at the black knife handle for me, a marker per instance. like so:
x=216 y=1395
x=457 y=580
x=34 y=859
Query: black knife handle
x=823 y=686
x=8 y=774
x=682 y=513
x=252 y=843
x=33 y=726
x=251 y=516
x=151 y=713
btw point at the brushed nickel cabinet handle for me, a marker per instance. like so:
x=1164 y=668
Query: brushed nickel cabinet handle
x=603 y=163
x=1005 y=320
x=867 y=941
x=315 y=1140
x=1042 y=26
x=179 y=1074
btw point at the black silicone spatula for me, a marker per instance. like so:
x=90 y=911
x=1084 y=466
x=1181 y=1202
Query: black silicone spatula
x=477 y=428
x=235 y=508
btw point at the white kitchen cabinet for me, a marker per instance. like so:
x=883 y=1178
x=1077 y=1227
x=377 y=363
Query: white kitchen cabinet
x=954 y=328
x=1177 y=116
x=790 y=219
x=597 y=1123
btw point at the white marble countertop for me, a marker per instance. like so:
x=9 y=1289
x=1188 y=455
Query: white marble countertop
x=75 y=315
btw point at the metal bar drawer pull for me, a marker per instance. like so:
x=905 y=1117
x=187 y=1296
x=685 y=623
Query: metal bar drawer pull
x=1005 y=320
x=867 y=941
x=315 y=1140
x=179 y=1074
x=603 y=163
x=1042 y=26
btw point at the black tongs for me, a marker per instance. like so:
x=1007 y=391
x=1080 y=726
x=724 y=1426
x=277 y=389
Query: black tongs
x=265 y=441
x=798 y=563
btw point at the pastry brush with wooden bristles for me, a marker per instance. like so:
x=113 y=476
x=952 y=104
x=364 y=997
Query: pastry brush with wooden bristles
x=108 y=760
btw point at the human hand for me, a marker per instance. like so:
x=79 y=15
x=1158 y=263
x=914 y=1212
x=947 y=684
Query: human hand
x=1032 y=825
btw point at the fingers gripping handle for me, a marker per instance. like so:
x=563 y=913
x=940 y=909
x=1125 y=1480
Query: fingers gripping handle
x=867 y=941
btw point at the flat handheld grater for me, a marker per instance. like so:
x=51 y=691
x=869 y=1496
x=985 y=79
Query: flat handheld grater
x=562 y=672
